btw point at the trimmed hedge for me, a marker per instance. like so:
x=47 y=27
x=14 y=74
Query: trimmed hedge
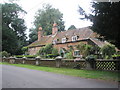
x=28 y=56
x=51 y=56
x=116 y=56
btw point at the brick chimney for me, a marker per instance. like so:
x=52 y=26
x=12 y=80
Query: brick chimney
x=39 y=33
x=54 y=29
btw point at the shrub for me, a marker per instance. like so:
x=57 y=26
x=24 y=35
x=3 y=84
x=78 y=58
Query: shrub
x=116 y=56
x=108 y=50
x=69 y=55
x=51 y=55
x=48 y=51
x=55 y=52
x=85 y=49
x=28 y=56
x=4 y=54
x=24 y=49
x=90 y=58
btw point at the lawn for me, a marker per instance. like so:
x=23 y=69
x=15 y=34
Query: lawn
x=93 y=74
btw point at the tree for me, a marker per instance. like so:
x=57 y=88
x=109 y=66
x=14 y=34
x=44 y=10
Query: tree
x=13 y=28
x=71 y=27
x=105 y=20
x=85 y=49
x=108 y=51
x=55 y=52
x=45 y=18
x=48 y=50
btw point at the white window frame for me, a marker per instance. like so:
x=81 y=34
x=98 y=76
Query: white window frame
x=74 y=38
x=54 y=41
x=64 y=40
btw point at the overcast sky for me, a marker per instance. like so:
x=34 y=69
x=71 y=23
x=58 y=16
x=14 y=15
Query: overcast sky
x=69 y=8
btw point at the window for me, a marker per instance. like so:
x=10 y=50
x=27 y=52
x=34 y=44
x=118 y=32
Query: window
x=54 y=41
x=76 y=53
x=64 y=40
x=74 y=38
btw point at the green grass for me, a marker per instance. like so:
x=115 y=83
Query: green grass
x=93 y=74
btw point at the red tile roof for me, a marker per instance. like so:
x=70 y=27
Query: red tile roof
x=82 y=33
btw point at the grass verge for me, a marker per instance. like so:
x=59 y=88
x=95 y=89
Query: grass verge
x=93 y=74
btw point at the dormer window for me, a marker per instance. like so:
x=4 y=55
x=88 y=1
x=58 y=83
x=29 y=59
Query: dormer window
x=74 y=38
x=64 y=40
x=54 y=41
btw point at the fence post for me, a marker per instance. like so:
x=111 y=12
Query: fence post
x=12 y=60
x=38 y=58
x=58 y=61
x=24 y=59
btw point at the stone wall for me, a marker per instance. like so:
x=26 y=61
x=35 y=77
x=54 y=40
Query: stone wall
x=99 y=64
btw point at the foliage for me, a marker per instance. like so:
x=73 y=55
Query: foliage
x=55 y=51
x=27 y=56
x=116 y=56
x=105 y=18
x=4 y=54
x=13 y=28
x=108 y=50
x=48 y=51
x=90 y=58
x=24 y=49
x=69 y=55
x=71 y=27
x=85 y=49
x=45 y=18
x=51 y=55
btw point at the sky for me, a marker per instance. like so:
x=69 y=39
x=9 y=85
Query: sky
x=69 y=8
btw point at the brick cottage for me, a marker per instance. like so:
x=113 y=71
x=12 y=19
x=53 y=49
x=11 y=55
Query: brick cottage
x=63 y=40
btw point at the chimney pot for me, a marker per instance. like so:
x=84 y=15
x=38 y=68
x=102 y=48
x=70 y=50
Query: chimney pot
x=40 y=28
x=54 y=29
x=39 y=33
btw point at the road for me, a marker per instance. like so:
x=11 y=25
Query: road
x=18 y=77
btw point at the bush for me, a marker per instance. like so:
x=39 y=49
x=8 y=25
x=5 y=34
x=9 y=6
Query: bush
x=28 y=56
x=48 y=51
x=69 y=55
x=85 y=49
x=51 y=56
x=90 y=58
x=55 y=52
x=24 y=49
x=4 y=54
x=116 y=56
x=108 y=50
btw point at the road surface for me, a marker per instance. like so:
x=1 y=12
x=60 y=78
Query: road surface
x=18 y=77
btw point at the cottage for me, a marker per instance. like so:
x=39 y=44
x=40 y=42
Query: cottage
x=65 y=39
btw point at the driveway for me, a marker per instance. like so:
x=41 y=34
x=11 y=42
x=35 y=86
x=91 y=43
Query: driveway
x=18 y=77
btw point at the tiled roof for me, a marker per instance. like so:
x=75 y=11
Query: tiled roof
x=82 y=33
x=98 y=42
